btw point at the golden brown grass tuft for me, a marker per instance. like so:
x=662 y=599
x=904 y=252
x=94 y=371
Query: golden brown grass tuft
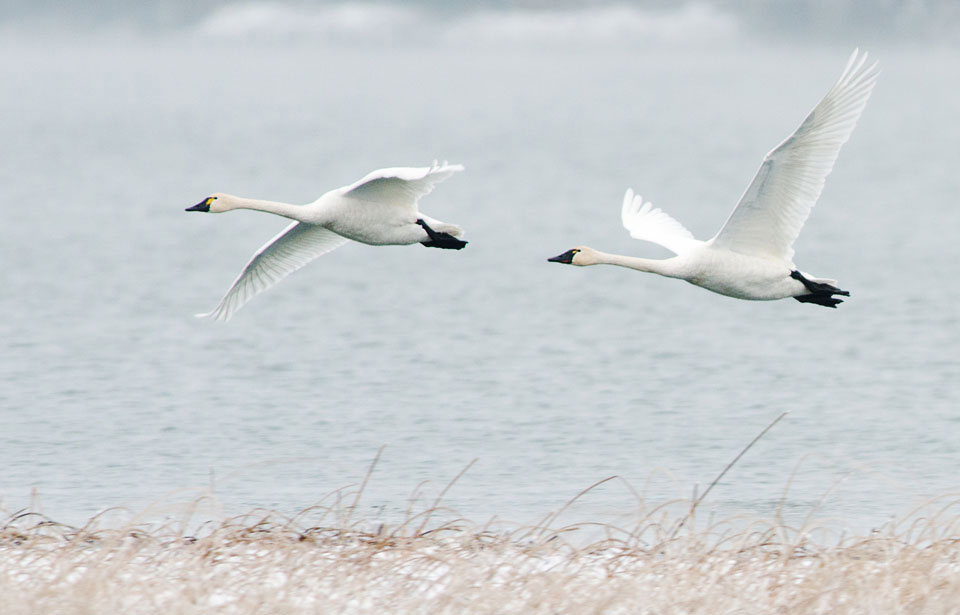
x=268 y=563
x=325 y=560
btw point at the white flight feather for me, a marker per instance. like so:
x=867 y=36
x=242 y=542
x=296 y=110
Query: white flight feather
x=400 y=186
x=648 y=223
x=778 y=201
x=293 y=248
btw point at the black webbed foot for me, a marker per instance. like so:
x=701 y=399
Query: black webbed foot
x=820 y=293
x=445 y=241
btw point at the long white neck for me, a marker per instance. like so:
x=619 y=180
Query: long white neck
x=665 y=267
x=287 y=210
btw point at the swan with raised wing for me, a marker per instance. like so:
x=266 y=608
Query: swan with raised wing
x=380 y=209
x=752 y=255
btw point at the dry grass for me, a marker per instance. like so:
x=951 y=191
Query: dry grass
x=323 y=561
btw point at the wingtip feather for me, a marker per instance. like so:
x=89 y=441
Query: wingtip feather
x=217 y=314
x=446 y=166
x=629 y=207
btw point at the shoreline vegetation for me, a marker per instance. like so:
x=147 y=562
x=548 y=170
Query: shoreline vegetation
x=327 y=559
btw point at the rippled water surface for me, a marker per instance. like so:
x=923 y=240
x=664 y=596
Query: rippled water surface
x=112 y=394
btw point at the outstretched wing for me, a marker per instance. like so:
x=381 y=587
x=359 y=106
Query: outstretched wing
x=777 y=203
x=294 y=247
x=401 y=186
x=648 y=223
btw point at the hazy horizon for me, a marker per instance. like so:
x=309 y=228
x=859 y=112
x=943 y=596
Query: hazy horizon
x=495 y=21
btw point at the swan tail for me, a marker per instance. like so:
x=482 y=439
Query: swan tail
x=449 y=229
x=442 y=227
x=821 y=291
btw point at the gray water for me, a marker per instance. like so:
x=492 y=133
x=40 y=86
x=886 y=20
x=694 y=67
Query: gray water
x=550 y=377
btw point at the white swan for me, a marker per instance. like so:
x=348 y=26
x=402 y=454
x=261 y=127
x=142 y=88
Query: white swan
x=380 y=209
x=752 y=255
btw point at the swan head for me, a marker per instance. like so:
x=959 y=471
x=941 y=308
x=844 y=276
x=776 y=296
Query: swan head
x=580 y=256
x=215 y=203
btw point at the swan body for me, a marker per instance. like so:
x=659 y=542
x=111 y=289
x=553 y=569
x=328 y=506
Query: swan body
x=721 y=271
x=379 y=209
x=751 y=257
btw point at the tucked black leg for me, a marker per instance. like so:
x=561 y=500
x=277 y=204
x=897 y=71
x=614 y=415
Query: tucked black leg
x=445 y=241
x=824 y=300
x=820 y=293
